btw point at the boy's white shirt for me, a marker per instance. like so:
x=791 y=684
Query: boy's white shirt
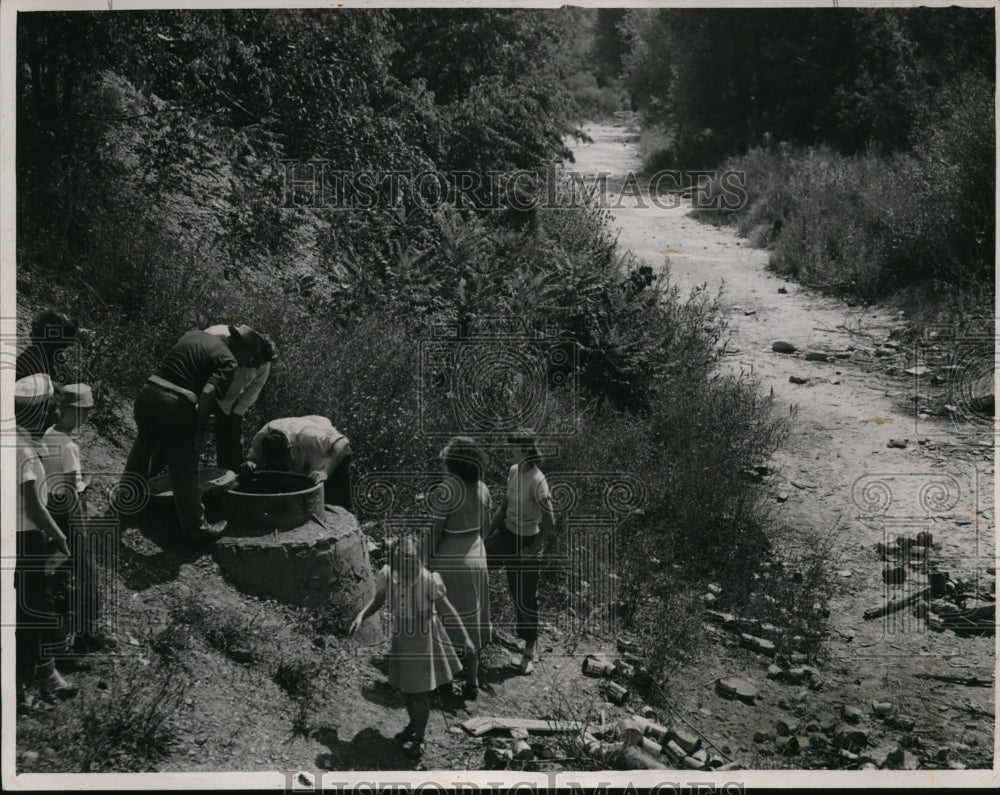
x=63 y=456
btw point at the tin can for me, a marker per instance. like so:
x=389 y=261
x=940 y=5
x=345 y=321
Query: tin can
x=651 y=746
x=596 y=667
x=616 y=693
x=658 y=732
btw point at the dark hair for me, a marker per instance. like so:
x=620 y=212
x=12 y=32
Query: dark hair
x=461 y=457
x=51 y=326
x=266 y=352
x=395 y=547
x=525 y=437
x=274 y=445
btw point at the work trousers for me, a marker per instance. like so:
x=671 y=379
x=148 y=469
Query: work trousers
x=505 y=550
x=167 y=422
x=42 y=586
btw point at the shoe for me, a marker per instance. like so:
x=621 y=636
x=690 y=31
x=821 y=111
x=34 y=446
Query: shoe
x=86 y=644
x=74 y=663
x=414 y=748
x=52 y=685
x=526 y=666
x=447 y=689
x=207 y=533
x=27 y=704
x=406 y=733
x=470 y=692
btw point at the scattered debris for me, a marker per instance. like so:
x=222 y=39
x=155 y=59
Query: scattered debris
x=760 y=645
x=795 y=379
x=481 y=725
x=968 y=681
x=617 y=694
x=897 y=604
x=850 y=713
x=898 y=443
x=817 y=356
x=904 y=722
x=598 y=665
x=736 y=687
x=893 y=575
x=783 y=290
x=783 y=347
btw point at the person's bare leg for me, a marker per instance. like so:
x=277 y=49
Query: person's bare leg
x=421 y=714
x=472 y=669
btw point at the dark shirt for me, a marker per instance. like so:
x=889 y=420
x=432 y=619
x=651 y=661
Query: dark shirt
x=196 y=360
x=44 y=358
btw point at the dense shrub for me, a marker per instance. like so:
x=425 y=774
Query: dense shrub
x=873 y=223
x=353 y=298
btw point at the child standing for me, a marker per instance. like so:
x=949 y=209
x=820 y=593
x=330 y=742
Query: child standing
x=41 y=548
x=67 y=505
x=420 y=656
x=460 y=556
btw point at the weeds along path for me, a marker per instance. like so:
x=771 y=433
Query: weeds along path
x=837 y=467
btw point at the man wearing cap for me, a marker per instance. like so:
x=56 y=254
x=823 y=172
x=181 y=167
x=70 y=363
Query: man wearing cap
x=42 y=595
x=171 y=413
x=242 y=393
x=307 y=445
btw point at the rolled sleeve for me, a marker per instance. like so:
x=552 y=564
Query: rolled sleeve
x=251 y=391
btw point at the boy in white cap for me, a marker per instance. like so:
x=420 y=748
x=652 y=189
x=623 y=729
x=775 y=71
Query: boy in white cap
x=68 y=507
x=41 y=547
x=74 y=407
x=243 y=391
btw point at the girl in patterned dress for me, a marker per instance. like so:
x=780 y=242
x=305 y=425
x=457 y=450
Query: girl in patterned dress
x=460 y=556
x=420 y=656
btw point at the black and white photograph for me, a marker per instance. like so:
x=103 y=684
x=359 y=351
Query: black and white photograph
x=498 y=394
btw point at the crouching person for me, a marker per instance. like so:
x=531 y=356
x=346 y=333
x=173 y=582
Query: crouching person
x=40 y=579
x=309 y=446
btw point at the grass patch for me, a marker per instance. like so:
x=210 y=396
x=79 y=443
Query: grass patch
x=123 y=724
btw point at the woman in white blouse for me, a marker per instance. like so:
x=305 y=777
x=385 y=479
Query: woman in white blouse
x=519 y=530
